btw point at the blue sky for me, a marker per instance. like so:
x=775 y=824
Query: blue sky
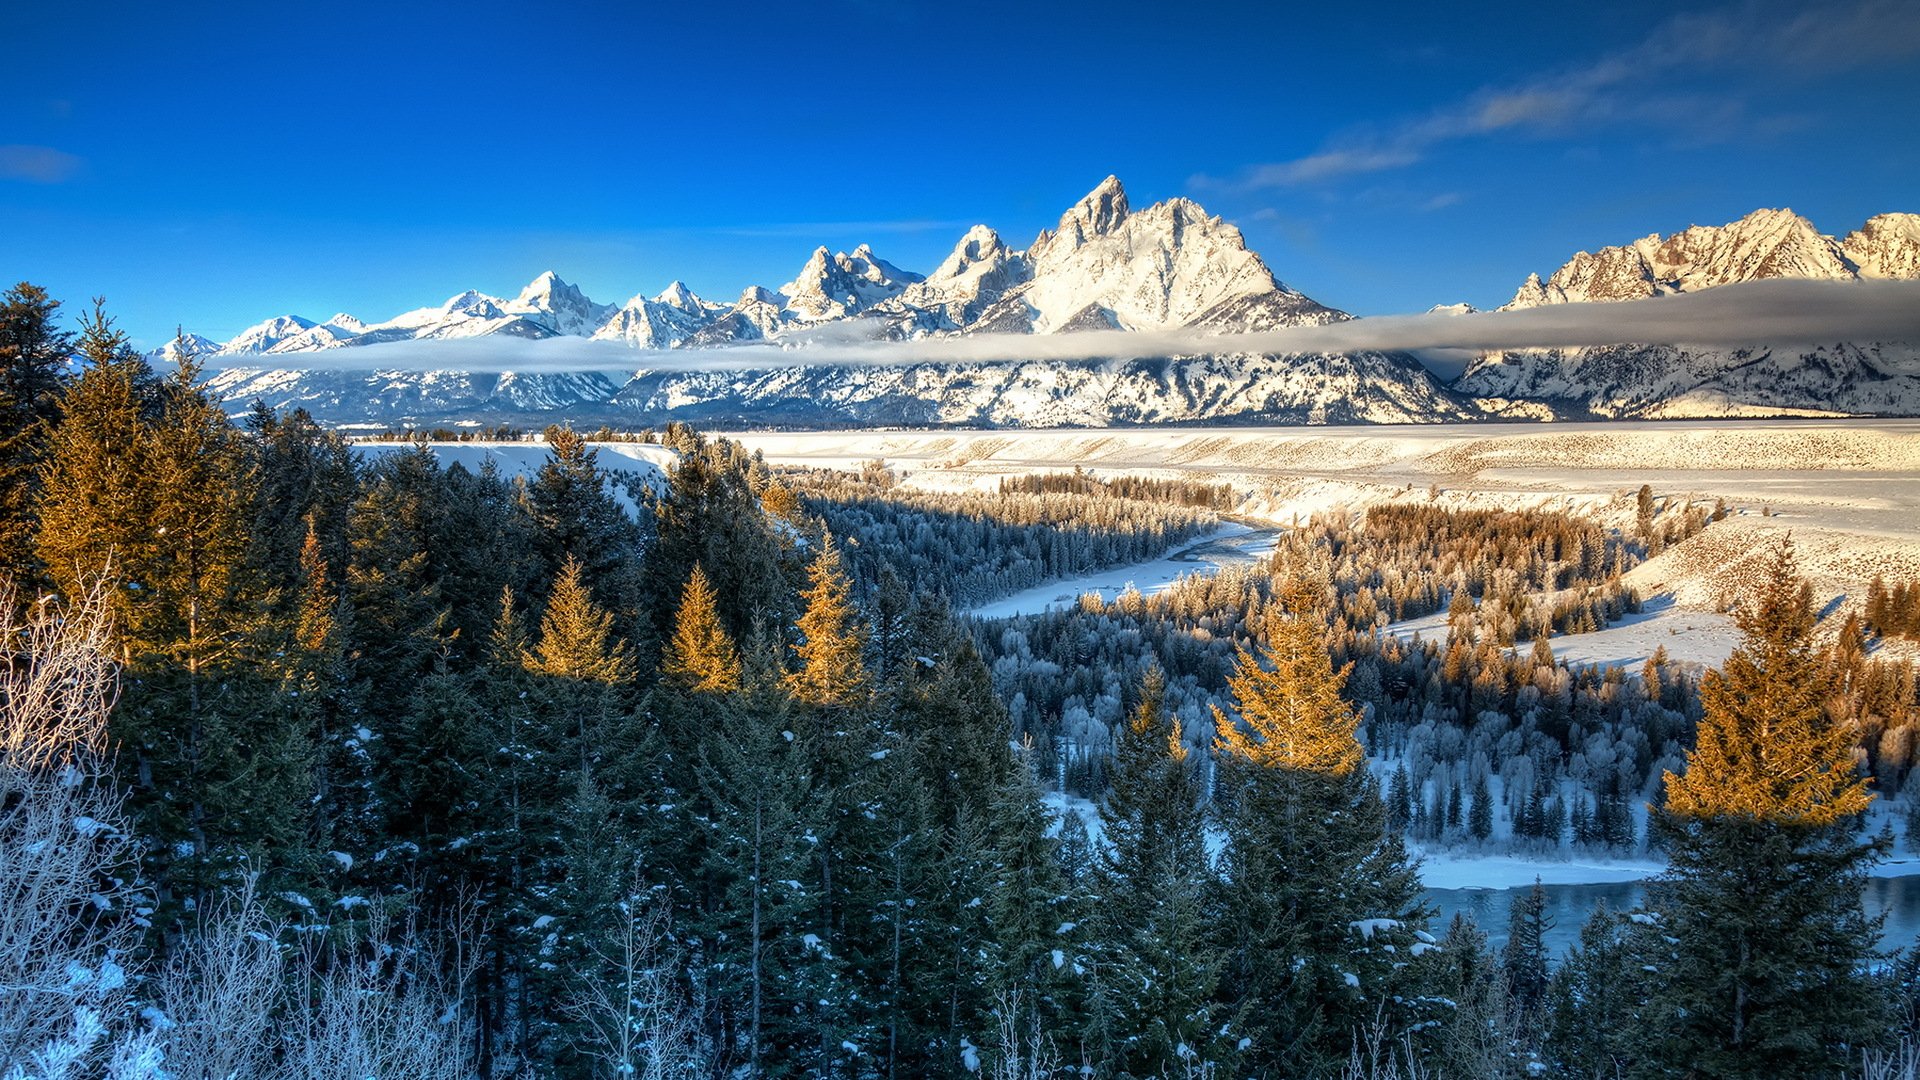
x=211 y=165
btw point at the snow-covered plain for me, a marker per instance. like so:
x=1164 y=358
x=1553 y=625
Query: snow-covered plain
x=1848 y=491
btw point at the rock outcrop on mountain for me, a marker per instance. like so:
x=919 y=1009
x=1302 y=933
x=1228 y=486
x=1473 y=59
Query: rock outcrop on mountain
x=1629 y=380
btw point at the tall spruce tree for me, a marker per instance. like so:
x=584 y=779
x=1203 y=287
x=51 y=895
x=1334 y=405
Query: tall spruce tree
x=832 y=672
x=1322 y=902
x=1599 y=1022
x=95 y=498
x=1160 y=967
x=1767 y=964
x=768 y=960
x=1525 y=954
x=33 y=358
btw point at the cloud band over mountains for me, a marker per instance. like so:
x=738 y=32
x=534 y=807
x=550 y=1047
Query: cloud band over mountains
x=1776 y=313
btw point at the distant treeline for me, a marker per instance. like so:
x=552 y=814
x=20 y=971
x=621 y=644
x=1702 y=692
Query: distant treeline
x=1179 y=491
x=976 y=546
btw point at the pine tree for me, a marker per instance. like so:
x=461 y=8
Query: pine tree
x=833 y=639
x=1480 y=814
x=95 y=496
x=1160 y=968
x=1765 y=969
x=1525 y=954
x=33 y=356
x=1475 y=1036
x=578 y=518
x=770 y=961
x=1599 y=1019
x=1321 y=900
x=576 y=635
x=700 y=656
x=1766 y=748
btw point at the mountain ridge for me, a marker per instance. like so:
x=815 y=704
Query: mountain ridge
x=1103 y=266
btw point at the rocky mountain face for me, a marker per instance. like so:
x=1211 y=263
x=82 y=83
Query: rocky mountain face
x=1103 y=266
x=1669 y=381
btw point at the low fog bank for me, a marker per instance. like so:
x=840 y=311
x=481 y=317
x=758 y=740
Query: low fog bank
x=1771 y=313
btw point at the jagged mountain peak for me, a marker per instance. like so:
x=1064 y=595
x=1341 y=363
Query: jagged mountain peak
x=1887 y=246
x=1170 y=264
x=264 y=336
x=546 y=286
x=187 y=343
x=679 y=296
x=1765 y=243
x=1098 y=213
x=473 y=302
x=838 y=285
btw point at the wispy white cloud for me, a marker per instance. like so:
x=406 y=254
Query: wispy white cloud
x=1775 y=313
x=38 y=164
x=1630 y=86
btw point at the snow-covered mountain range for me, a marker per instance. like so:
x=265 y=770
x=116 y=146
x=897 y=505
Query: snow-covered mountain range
x=1665 y=380
x=1104 y=266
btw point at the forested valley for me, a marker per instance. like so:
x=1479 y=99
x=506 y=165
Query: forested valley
x=316 y=763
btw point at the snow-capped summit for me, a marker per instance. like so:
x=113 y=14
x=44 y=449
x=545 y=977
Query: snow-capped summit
x=1887 y=246
x=659 y=322
x=264 y=337
x=1453 y=309
x=193 y=345
x=560 y=307
x=343 y=321
x=978 y=272
x=677 y=295
x=834 y=286
x=1099 y=213
x=1171 y=264
x=1764 y=244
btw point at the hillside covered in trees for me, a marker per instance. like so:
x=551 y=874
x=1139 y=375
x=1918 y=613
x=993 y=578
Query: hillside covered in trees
x=322 y=765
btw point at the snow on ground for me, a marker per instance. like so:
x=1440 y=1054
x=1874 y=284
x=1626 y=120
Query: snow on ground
x=1233 y=542
x=1690 y=635
x=1849 y=490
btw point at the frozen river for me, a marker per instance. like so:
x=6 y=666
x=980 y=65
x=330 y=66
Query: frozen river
x=1569 y=905
x=1234 y=543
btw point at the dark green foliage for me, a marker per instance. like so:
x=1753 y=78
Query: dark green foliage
x=1316 y=890
x=33 y=357
x=1158 y=961
x=1599 y=1017
x=1525 y=956
x=1763 y=948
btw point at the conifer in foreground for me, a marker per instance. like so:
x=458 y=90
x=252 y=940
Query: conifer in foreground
x=1762 y=948
x=1322 y=902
